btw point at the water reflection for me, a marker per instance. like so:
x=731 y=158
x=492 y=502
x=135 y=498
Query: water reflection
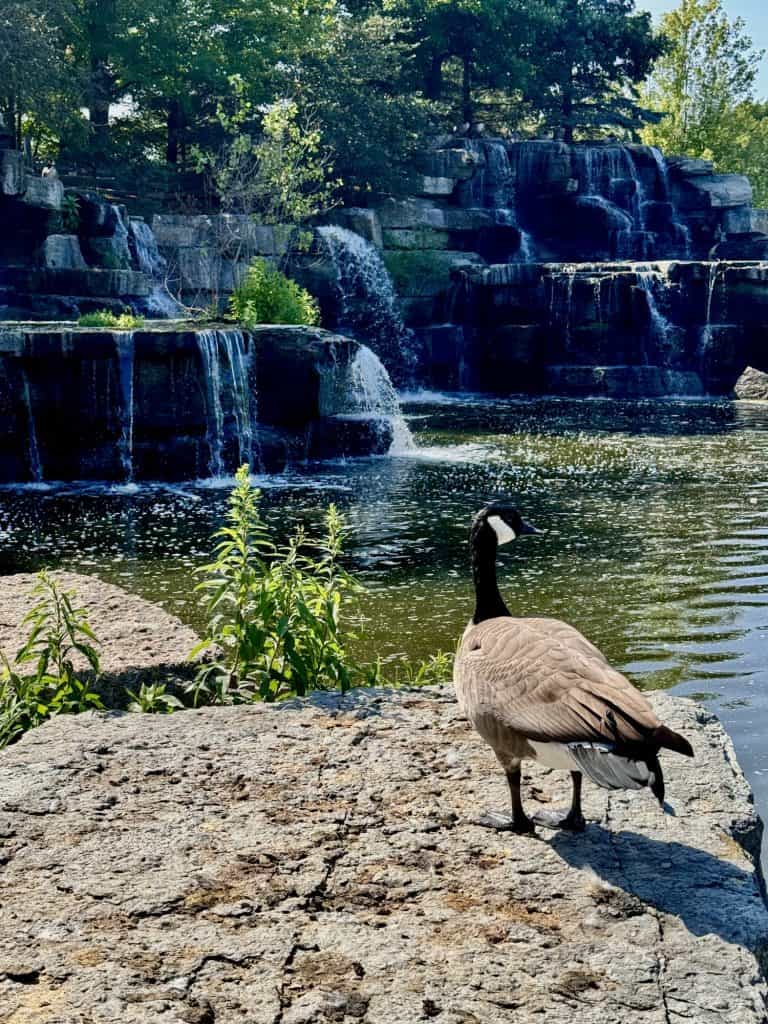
x=656 y=543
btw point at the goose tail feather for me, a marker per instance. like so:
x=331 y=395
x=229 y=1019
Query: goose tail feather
x=609 y=770
x=665 y=737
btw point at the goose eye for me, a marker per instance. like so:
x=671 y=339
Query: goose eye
x=504 y=532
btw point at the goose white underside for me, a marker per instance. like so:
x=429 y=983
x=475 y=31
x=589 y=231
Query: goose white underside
x=597 y=761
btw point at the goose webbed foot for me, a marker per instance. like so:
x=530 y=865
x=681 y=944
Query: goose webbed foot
x=573 y=821
x=500 y=822
x=560 y=819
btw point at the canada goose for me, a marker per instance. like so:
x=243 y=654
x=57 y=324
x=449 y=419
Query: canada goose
x=536 y=689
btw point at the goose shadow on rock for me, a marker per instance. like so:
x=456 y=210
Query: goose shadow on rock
x=710 y=895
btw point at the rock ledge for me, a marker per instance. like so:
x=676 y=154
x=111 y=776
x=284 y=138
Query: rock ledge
x=317 y=862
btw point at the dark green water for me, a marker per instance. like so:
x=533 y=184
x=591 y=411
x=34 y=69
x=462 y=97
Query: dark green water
x=656 y=543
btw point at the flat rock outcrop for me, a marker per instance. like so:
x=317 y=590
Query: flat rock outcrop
x=139 y=640
x=318 y=861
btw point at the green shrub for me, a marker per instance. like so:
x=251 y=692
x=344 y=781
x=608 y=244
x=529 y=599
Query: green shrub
x=114 y=322
x=70 y=214
x=275 y=613
x=58 y=630
x=267 y=296
x=152 y=699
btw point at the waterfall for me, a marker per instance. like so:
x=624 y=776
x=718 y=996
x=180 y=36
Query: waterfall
x=124 y=349
x=227 y=396
x=561 y=299
x=368 y=306
x=35 y=464
x=660 y=326
x=491 y=184
x=147 y=258
x=680 y=230
x=706 y=331
x=370 y=393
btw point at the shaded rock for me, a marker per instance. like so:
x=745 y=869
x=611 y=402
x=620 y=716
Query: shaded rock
x=318 y=861
x=751 y=245
x=62 y=252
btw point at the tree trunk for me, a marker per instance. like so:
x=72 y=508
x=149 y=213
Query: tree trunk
x=175 y=125
x=567 y=124
x=467 y=111
x=433 y=83
x=100 y=28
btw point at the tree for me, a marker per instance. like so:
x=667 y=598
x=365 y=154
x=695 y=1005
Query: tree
x=594 y=53
x=702 y=89
x=39 y=81
x=473 y=46
x=363 y=92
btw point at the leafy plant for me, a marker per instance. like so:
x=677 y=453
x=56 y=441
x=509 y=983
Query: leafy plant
x=267 y=296
x=113 y=321
x=275 y=613
x=152 y=699
x=433 y=671
x=57 y=631
x=70 y=214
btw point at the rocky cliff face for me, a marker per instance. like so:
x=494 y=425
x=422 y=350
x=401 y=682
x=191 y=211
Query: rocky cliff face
x=60 y=259
x=319 y=861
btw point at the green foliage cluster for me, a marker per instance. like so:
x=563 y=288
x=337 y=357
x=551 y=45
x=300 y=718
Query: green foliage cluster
x=702 y=90
x=292 y=104
x=274 y=612
x=112 y=321
x=41 y=682
x=70 y=214
x=267 y=296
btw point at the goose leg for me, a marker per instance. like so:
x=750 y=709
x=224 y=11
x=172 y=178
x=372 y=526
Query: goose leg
x=573 y=820
x=519 y=821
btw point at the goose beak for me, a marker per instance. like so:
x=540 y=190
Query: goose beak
x=526 y=528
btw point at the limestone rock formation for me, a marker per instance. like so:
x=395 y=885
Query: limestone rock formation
x=317 y=862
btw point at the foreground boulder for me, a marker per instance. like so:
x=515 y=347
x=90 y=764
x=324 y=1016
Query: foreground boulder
x=317 y=862
x=138 y=641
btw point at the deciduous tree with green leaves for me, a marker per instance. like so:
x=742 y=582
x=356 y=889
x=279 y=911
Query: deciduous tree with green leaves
x=702 y=87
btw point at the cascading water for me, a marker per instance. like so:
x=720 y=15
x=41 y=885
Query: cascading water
x=681 y=232
x=369 y=392
x=124 y=348
x=229 y=406
x=368 y=305
x=647 y=279
x=35 y=463
x=146 y=256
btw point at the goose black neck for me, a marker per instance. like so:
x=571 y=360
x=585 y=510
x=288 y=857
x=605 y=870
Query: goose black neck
x=489 y=603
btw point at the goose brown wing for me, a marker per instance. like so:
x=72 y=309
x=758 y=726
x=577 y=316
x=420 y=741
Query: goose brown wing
x=542 y=679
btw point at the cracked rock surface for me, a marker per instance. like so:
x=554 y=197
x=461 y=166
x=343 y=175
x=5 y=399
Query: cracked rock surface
x=317 y=862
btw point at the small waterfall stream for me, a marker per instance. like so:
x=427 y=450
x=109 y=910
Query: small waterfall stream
x=146 y=256
x=125 y=349
x=230 y=410
x=647 y=279
x=368 y=304
x=35 y=463
x=370 y=393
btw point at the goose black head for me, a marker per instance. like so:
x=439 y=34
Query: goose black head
x=504 y=520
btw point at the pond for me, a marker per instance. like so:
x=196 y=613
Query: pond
x=656 y=536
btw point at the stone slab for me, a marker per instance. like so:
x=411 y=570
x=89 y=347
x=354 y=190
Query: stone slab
x=317 y=862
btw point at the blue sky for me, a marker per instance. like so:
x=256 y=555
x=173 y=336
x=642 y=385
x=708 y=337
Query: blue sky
x=753 y=12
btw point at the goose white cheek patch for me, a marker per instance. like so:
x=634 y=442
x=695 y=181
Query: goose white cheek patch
x=504 y=532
